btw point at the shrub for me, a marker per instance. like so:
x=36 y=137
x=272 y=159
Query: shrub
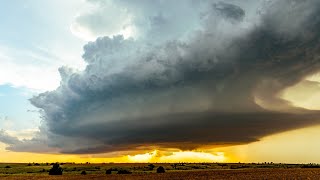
x=124 y=171
x=83 y=173
x=7 y=167
x=55 y=170
x=160 y=169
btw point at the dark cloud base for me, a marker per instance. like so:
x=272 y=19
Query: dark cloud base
x=190 y=131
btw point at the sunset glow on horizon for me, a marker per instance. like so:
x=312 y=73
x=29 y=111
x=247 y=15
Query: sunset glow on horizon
x=275 y=148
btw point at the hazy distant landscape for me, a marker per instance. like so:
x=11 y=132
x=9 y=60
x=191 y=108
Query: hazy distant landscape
x=172 y=171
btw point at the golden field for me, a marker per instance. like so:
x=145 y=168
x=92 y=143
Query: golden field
x=146 y=171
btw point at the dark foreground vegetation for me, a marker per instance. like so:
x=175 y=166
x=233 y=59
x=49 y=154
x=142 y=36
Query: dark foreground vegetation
x=159 y=171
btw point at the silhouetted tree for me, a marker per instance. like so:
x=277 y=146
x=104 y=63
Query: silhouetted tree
x=109 y=171
x=174 y=166
x=151 y=166
x=160 y=169
x=55 y=170
x=83 y=173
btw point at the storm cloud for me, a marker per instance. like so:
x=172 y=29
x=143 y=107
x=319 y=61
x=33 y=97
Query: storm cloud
x=220 y=86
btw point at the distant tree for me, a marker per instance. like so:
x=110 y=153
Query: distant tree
x=7 y=167
x=151 y=167
x=55 y=170
x=174 y=166
x=109 y=171
x=83 y=173
x=160 y=169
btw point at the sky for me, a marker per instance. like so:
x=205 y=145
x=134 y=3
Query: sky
x=160 y=81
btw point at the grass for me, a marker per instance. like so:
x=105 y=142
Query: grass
x=246 y=174
x=143 y=170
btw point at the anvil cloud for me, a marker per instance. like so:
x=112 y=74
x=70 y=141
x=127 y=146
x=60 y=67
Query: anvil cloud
x=214 y=80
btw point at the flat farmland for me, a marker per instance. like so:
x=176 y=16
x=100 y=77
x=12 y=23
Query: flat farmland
x=202 y=174
x=141 y=171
